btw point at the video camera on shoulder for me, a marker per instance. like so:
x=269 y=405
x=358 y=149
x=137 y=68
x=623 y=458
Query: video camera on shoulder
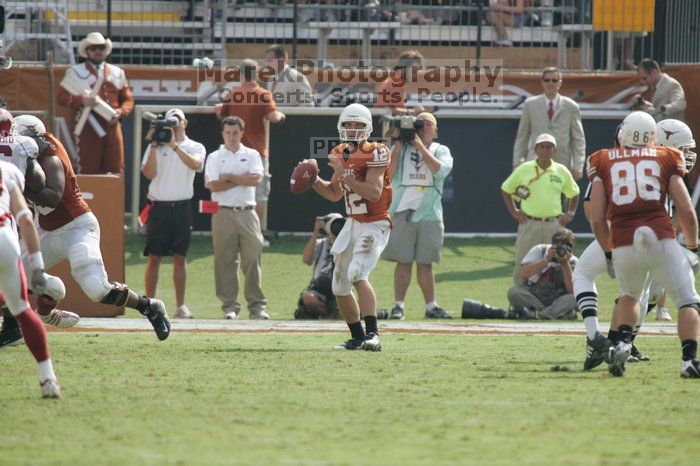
x=407 y=125
x=162 y=127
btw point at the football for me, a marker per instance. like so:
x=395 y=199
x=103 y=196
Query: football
x=303 y=176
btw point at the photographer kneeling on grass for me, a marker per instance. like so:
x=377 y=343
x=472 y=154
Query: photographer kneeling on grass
x=318 y=301
x=547 y=290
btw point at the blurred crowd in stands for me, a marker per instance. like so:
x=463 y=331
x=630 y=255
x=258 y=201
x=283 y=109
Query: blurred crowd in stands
x=509 y=12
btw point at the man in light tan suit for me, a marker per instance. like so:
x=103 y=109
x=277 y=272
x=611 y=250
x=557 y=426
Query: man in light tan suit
x=554 y=114
x=289 y=87
x=668 y=100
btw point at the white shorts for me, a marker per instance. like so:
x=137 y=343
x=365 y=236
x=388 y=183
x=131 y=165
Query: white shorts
x=79 y=242
x=663 y=259
x=589 y=267
x=13 y=283
x=356 y=251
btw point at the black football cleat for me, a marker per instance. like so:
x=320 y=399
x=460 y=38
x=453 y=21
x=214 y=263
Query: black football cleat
x=350 y=345
x=618 y=357
x=596 y=351
x=690 y=369
x=10 y=335
x=158 y=317
x=636 y=356
x=371 y=343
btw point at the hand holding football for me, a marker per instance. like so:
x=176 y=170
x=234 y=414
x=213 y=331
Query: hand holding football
x=304 y=175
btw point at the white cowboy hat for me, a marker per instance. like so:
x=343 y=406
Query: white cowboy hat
x=94 y=38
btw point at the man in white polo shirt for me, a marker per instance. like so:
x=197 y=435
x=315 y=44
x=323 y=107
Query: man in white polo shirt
x=232 y=173
x=171 y=168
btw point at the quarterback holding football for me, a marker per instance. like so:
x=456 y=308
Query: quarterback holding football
x=361 y=177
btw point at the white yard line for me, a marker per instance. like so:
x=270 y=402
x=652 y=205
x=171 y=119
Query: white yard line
x=287 y=326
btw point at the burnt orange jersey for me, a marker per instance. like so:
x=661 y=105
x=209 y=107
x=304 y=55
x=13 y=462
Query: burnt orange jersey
x=636 y=182
x=71 y=204
x=368 y=155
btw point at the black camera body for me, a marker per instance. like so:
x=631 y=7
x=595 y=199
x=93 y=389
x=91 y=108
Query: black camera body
x=407 y=125
x=162 y=127
x=333 y=223
x=562 y=249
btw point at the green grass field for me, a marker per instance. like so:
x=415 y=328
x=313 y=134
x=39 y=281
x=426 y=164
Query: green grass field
x=287 y=399
x=259 y=399
x=478 y=269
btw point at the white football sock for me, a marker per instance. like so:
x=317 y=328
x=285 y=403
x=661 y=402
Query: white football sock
x=46 y=371
x=399 y=304
x=591 y=323
x=431 y=305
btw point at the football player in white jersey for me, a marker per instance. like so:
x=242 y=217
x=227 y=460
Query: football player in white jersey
x=675 y=133
x=20 y=151
x=13 y=289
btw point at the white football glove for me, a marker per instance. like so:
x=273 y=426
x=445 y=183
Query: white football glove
x=38 y=282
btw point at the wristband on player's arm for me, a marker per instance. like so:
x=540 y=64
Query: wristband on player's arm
x=692 y=248
x=36 y=260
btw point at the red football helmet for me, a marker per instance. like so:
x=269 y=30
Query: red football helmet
x=7 y=123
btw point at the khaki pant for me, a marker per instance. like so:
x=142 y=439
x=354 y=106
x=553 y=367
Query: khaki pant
x=101 y=155
x=237 y=234
x=530 y=234
x=564 y=307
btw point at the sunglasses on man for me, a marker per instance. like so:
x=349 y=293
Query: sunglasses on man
x=92 y=48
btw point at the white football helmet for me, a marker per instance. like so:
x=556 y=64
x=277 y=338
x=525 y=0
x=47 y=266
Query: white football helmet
x=638 y=129
x=7 y=123
x=356 y=113
x=29 y=123
x=674 y=133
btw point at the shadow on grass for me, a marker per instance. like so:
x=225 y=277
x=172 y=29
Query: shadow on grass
x=453 y=246
x=201 y=247
x=471 y=275
x=256 y=350
x=565 y=369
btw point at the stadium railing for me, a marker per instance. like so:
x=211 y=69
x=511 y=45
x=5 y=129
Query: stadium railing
x=160 y=32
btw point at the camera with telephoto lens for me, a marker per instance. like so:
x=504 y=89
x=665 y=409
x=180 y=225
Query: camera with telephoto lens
x=407 y=125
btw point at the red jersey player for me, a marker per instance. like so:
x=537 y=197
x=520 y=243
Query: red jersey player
x=361 y=177
x=69 y=230
x=630 y=185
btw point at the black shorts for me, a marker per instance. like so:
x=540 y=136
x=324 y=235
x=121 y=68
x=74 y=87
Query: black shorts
x=169 y=229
